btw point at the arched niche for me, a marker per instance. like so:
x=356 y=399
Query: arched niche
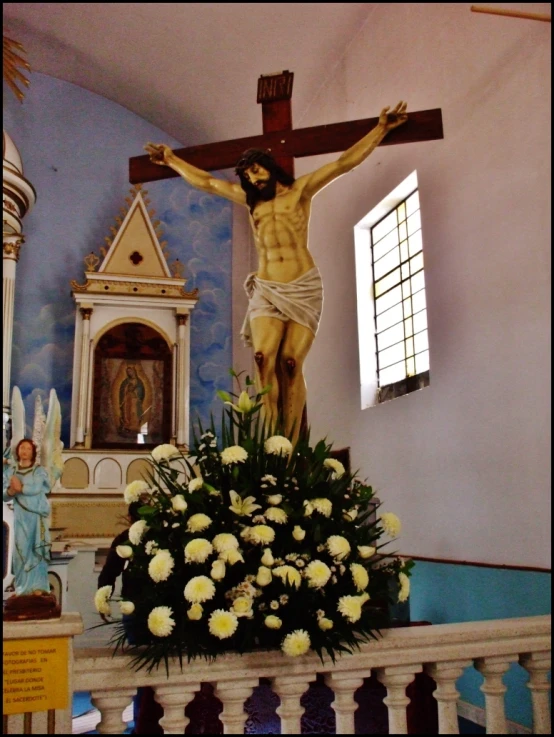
x=132 y=388
x=75 y=474
x=138 y=470
x=107 y=474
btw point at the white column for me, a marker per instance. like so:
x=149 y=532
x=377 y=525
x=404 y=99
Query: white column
x=86 y=312
x=290 y=690
x=493 y=668
x=538 y=666
x=181 y=380
x=111 y=705
x=446 y=693
x=173 y=700
x=396 y=679
x=344 y=685
x=233 y=695
x=12 y=244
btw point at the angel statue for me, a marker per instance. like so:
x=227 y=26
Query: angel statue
x=32 y=466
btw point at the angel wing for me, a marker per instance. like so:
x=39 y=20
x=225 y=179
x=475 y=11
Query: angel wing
x=38 y=426
x=18 y=419
x=52 y=446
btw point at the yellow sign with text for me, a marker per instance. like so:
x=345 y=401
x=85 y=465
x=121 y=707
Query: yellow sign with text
x=35 y=674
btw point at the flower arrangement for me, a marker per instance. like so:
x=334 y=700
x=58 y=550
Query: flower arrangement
x=250 y=543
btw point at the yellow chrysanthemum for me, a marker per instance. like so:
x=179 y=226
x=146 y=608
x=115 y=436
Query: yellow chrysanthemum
x=336 y=467
x=199 y=589
x=297 y=643
x=318 y=573
x=277 y=515
x=195 y=612
x=351 y=606
x=242 y=607
x=231 y=557
x=160 y=622
x=233 y=454
x=325 y=624
x=272 y=622
x=289 y=575
x=360 y=576
x=126 y=607
x=278 y=445
x=338 y=546
x=218 y=570
x=136 y=531
x=134 y=490
x=198 y=522
x=391 y=524
x=198 y=551
x=225 y=541
x=161 y=565
x=404 y=587
x=366 y=551
x=101 y=600
x=323 y=506
x=261 y=535
x=222 y=624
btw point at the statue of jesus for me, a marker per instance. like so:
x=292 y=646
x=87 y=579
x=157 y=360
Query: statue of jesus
x=285 y=294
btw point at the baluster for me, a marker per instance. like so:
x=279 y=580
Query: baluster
x=493 y=668
x=290 y=690
x=233 y=696
x=111 y=705
x=173 y=700
x=538 y=665
x=344 y=686
x=396 y=678
x=445 y=675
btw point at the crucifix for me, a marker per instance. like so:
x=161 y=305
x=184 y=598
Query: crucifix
x=285 y=294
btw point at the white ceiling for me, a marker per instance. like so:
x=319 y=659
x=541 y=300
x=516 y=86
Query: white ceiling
x=189 y=68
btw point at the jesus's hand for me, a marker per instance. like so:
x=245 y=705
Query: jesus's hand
x=157 y=152
x=395 y=118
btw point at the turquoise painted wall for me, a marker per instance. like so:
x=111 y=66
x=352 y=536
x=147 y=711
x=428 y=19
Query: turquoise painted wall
x=75 y=147
x=443 y=593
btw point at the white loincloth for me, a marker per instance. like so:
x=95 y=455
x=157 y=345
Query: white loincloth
x=300 y=300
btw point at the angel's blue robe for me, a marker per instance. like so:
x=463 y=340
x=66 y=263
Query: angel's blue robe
x=31 y=553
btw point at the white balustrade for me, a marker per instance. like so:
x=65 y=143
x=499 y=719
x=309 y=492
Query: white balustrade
x=443 y=651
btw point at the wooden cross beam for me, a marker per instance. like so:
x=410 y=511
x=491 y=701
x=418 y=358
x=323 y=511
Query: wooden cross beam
x=284 y=142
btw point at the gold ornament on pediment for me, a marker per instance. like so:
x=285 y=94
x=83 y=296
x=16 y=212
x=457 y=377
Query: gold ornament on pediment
x=91 y=261
x=177 y=268
x=12 y=64
x=79 y=287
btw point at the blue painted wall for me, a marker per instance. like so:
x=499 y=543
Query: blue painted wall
x=443 y=593
x=75 y=147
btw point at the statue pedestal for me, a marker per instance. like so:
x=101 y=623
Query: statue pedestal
x=38 y=686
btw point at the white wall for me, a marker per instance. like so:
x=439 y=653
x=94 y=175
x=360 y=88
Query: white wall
x=464 y=462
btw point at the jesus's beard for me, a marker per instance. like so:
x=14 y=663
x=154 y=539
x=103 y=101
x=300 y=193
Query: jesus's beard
x=268 y=190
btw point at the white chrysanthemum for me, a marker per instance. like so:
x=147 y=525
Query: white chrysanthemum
x=199 y=589
x=359 y=576
x=134 y=490
x=318 y=573
x=178 y=503
x=350 y=607
x=298 y=533
x=277 y=515
x=218 y=570
x=391 y=524
x=272 y=622
x=233 y=454
x=404 y=587
x=160 y=622
x=297 y=643
x=196 y=484
x=151 y=547
x=288 y=574
x=278 y=445
x=198 y=551
x=261 y=535
x=136 y=531
x=161 y=565
x=198 y=522
x=164 y=452
x=195 y=612
x=336 y=467
x=223 y=624
x=242 y=607
x=366 y=551
x=124 y=551
x=126 y=607
x=264 y=576
x=338 y=546
x=225 y=541
x=323 y=506
x=101 y=600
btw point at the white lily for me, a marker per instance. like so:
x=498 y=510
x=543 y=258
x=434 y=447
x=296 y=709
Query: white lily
x=244 y=405
x=243 y=507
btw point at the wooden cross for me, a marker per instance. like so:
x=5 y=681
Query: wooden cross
x=284 y=142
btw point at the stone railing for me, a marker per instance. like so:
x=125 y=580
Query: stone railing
x=442 y=651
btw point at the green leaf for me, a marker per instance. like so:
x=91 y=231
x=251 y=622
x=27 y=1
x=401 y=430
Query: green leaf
x=224 y=396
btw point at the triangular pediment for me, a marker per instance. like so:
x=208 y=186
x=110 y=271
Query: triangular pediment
x=135 y=249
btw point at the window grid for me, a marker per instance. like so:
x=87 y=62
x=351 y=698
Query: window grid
x=399 y=294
